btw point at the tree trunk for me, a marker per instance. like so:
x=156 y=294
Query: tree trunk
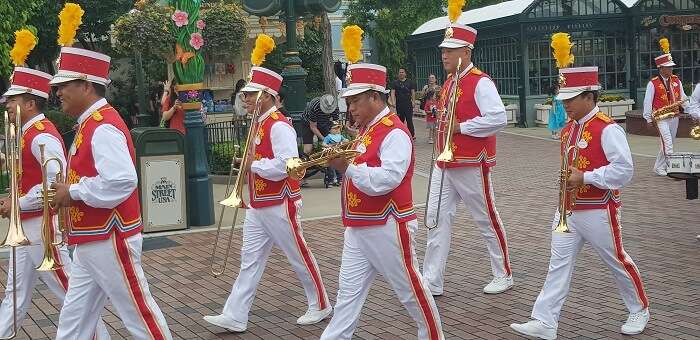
x=327 y=56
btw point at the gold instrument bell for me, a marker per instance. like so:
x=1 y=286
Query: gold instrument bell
x=296 y=167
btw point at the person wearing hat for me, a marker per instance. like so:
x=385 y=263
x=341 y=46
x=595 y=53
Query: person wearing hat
x=663 y=90
x=378 y=212
x=274 y=209
x=333 y=177
x=480 y=114
x=28 y=93
x=101 y=196
x=601 y=164
x=318 y=117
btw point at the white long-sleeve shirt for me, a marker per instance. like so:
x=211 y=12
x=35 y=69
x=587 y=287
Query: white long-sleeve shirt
x=493 y=114
x=33 y=198
x=649 y=99
x=621 y=169
x=694 y=105
x=395 y=154
x=284 y=146
x=116 y=175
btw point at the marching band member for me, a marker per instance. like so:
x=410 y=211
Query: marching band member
x=662 y=90
x=480 y=114
x=272 y=218
x=601 y=163
x=29 y=91
x=377 y=210
x=104 y=211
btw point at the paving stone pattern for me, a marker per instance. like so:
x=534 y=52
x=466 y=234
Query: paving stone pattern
x=659 y=229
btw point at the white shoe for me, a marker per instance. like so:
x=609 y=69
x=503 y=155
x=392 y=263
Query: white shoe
x=314 y=316
x=225 y=322
x=536 y=329
x=499 y=285
x=661 y=173
x=636 y=322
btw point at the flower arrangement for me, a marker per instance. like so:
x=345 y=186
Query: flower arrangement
x=180 y=18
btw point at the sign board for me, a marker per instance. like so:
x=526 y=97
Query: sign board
x=163 y=195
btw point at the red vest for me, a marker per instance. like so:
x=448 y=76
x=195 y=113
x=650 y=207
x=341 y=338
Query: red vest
x=589 y=158
x=661 y=96
x=94 y=224
x=264 y=192
x=31 y=169
x=468 y=150
x=360 y=209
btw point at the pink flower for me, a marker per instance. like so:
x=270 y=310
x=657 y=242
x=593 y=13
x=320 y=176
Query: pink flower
x=200 y=24
x=180 y=18
x=196 y=40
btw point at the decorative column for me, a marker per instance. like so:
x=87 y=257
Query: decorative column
x=189 y=72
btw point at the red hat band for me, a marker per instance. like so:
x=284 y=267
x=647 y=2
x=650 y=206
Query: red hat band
x=26 y=80
x=459 y=36
x=77 y=63
x=363 y=77
x=263 y=79
x=664 y=60
x=578 y=79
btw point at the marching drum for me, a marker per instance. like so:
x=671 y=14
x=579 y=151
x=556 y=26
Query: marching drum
x=680 y=165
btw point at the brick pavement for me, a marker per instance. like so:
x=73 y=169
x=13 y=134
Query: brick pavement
x=659 y=228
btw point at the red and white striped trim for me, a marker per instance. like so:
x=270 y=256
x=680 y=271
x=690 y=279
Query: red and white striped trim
x=623 y=258
x=495 y=219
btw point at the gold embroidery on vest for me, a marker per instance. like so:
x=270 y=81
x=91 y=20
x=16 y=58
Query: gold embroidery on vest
x=97 y=116
x=353 y=201
x=587 y=136
x=78 y=140
x=275 y=116
x=260 y=185
x=386 y=121
x=584 y=189
x=258 y=156
x=603 y=117
x=582 y=162
x=73 y=177
x=75 y=214
x=39 y=126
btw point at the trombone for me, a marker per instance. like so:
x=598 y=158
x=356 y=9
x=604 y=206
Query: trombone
x=15 y=234
x=296 y=167
x=447 y=154
x=50 y=262
x=564 y=193
x=235 y=196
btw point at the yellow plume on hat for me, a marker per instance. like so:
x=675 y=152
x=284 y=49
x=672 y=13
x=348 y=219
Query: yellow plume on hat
x=351 y=41
x=561 y=44
x=454 y=9
x=25 y=41
x=71 y=17
x=665 y=45
x=264 y=44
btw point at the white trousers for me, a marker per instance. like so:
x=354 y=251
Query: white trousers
x=601 y=228
x=262 y=228
x=110 y=269
x=388 y=250
x=667 y=134
x=471 y=185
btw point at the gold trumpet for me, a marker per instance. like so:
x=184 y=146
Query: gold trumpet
x=447 y=154
x=296 y=167
x=50 y=262
x=235 y=196
x=667 y=111
x=564 y=192
x=15 y=234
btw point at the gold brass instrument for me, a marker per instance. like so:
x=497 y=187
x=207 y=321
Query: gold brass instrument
x=667 y=111
x=564 y=192
x=235 y=196
x=50 y=262
x=447 y=154
x=15 y=234
x=296 y=167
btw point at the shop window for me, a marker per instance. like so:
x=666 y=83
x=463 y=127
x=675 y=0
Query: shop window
x=559 y=8
x=499 y=58
x=668 y=5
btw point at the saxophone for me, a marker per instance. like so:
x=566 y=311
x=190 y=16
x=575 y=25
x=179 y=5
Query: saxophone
x=668 y=111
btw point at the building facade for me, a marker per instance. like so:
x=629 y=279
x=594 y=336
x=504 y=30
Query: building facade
x=619 y=36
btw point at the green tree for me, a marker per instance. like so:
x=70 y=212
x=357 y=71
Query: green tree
x=13 y=16
x=97 y=21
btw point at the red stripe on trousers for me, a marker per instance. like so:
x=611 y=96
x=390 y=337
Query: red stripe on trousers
x=135 y=288
x=306 y=255
x=60 y=273
x=620 y=253
x=497 y=228
x=407 y=253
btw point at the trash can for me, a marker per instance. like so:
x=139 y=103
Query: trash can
x=160 y=164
